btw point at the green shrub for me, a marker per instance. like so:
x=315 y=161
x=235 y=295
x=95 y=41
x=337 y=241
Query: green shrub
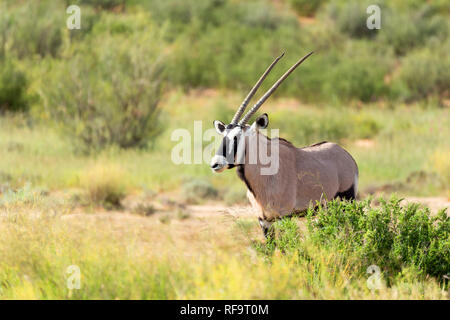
x=109 y=92
x=228 y=44
x=5 y=25
x=35 y=28
x=410 y=28
x=391 y=236
x=358 y=75
x=398 y=239
x=348 y=71
x=234 y=50
x=184 y=12
x=89 y=19
x=304 y=129
x=350 y=17
x=104 y=4
x=424 y=73
x=233 y=196
x=306 y=7
x=198 y=189
x=207 y=14
x=13 y=88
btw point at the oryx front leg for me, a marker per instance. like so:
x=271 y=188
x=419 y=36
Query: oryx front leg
x=266 y=228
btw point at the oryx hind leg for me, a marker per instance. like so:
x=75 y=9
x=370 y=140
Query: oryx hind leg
x=350 y=193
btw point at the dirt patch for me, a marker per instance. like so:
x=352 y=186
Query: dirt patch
x=434 y=203
x=365 y=143
x=204 y=228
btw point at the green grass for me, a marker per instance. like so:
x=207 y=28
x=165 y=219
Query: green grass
x=145 y=258
x=402 y=141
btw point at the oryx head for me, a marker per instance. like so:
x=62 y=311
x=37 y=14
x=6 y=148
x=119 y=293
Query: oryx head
x=231 y=150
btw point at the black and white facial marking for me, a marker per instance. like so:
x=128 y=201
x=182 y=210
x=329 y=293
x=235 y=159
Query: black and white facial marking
x=231 y=151
x=225 y=157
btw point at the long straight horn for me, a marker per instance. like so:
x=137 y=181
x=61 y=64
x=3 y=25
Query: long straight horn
x=253 y=91
x=271 y=90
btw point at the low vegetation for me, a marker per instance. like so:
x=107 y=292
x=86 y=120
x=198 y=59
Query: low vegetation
x=390 y=146
x=104 y=185
x=111 y=96
x=13 y=87
x=86 y=118
x=196 y=190
x=227 y=45
x=397 y=239
x=327 y=259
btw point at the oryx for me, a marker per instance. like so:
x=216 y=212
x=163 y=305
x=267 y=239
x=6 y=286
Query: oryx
x=304 y=176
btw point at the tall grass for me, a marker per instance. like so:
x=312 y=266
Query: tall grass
x=214 y=262
x=105 y=185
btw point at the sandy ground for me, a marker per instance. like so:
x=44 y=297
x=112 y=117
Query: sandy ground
x=202 y=228
x=434 y=203
x=245 y=211
x=218 y=210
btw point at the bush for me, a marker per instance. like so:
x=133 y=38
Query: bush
x=184 y=12
x=233 y=196
x=350 y=18
x=104 y=4
x=308 y=129
x=407 y=29
x=305 y=129
x=219 y=44
x=392 y=236
x=398 y=239
x=196 y=190
x=104 y=185
x=13 y=88
x=35 y=28
x=424 y=73
x=306 y=7
x=234 y=50
x=209 y=14
x=109 y=92
x=358 y=74
x=346 y=71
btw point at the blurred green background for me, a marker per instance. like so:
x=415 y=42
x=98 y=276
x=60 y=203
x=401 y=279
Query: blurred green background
x=110 y=94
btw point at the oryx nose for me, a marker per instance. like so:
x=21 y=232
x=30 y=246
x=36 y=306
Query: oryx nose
x=215 y=166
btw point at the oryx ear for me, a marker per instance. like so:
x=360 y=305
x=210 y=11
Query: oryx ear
x=262 y=121
x=220 y=126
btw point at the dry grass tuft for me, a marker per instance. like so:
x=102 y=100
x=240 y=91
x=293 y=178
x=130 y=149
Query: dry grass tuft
x=105 y=185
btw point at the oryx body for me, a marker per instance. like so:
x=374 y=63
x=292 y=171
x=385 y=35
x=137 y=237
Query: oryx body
x=303 y=176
